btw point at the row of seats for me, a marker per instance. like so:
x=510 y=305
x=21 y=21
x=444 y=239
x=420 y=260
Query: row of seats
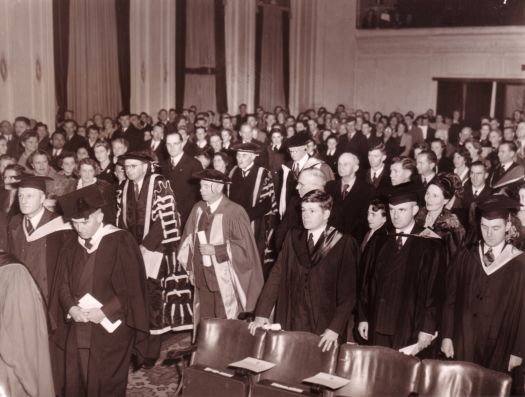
x=371 y=370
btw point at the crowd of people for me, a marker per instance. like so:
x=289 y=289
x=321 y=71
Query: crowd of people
x=392 y=230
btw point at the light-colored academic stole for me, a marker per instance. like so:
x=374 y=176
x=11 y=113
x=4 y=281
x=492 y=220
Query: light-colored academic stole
x=332 y=237
x=157 y=206
x=55 y=225
x=99 y=235
x=230 y=287
x=508 y=253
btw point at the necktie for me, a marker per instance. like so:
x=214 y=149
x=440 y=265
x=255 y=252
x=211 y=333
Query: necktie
x=311 y=244
x=88 y=244
x=425 y=183
x=29 y=226
x=345 y=190
x=488 y=258
x=245 y=173
x=205 y=219
x=476 y=194
x=399 y=243
x=137 y=191
x=374 y=178
x=296 y=169
x=275 y=149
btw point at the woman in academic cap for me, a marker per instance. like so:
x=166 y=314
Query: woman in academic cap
x=436 y=215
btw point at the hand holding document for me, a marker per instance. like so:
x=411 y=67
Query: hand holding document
x=206 y=259
x=89 y=302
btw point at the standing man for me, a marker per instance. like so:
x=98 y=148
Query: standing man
x=252 y=188
x=313 y=283
x=104 y=265
x=484 y=311
x=300 y=161
x=179 y=170
x=378 y=176
x=351 y=196
x=426 y=167
x=73 y=140
x=220 y=254
x=134 y=136
x=146 y=208
x=35 y=237
x=403 y=281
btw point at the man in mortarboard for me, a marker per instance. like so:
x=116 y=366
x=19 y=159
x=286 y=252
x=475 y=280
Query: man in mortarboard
x=147 y=209
x=253 y=189
x=102 y=292
x=219 y=252
x=484 y=311
x=35 y=237
x=403 y=280
x=291 y=170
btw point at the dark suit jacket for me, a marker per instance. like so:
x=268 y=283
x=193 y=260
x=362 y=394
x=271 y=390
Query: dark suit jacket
x=14 y=149
x=185 y=188
x=74 y=143
x=358 y=145
x=382 y=184
x=275 y=160
x=161 y=152
x=445 y=164
x=134 y=136
x=331 y=160
x=349 y=214
x=498 y=173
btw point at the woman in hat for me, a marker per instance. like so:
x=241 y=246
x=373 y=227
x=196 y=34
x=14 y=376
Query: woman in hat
x=436 y=215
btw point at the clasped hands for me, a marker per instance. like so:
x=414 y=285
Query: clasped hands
x=80 y=315
x=328 y=337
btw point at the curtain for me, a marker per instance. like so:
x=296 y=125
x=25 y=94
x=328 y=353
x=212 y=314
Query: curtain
x=240 y=53
x=514 y=97
x=122 y=13
x=271 y=83
x=180 y=52
x=27 y=79
x=200 y=82
x=61 y=52
x=93 y=79
x=220 y=58
x=153 y=55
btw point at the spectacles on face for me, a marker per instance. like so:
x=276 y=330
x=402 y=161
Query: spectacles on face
x=131 y=166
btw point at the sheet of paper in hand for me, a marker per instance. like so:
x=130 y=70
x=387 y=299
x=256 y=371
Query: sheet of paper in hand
x=414 y=349
x=253 y=365
x=333 y=382
x=89 y=302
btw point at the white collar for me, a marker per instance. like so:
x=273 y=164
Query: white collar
x=213 y=206
x=407 y=229
x=350 y=184
x=302 y=162
x=508 y=253
x=95 y=240
x=247 y=169
x=175 y=160
x=428 y=178
x=35 y=219
x=506 y=166
x=139 y=183
x=378 y=171
x=496 y=251
x=474 y=189
x=316 y=233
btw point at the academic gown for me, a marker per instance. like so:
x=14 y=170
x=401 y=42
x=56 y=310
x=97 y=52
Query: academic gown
x=117 y=279
x=25 y=367
x=403 y=291
x=484 y=314
x=313 y=292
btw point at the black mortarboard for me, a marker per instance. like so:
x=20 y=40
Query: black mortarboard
x=498 y=206
x=212 y=176
x=248 y=147
x=402 y=194
x=81 y=203
x=34 y=181
x=140 y=156
x=300 y=139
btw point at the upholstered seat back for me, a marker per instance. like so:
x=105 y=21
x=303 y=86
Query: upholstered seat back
x=297 y=356
x=375 y=370
x=457 y=378
x=221 y=342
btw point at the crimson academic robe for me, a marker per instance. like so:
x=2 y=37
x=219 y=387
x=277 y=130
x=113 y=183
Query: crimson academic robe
x=312 y=292
x=403 y=290
x=484 y=314
x=25 y=367
x=117 y=280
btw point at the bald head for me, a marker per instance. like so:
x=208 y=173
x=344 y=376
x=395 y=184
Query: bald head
x=310 y=179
